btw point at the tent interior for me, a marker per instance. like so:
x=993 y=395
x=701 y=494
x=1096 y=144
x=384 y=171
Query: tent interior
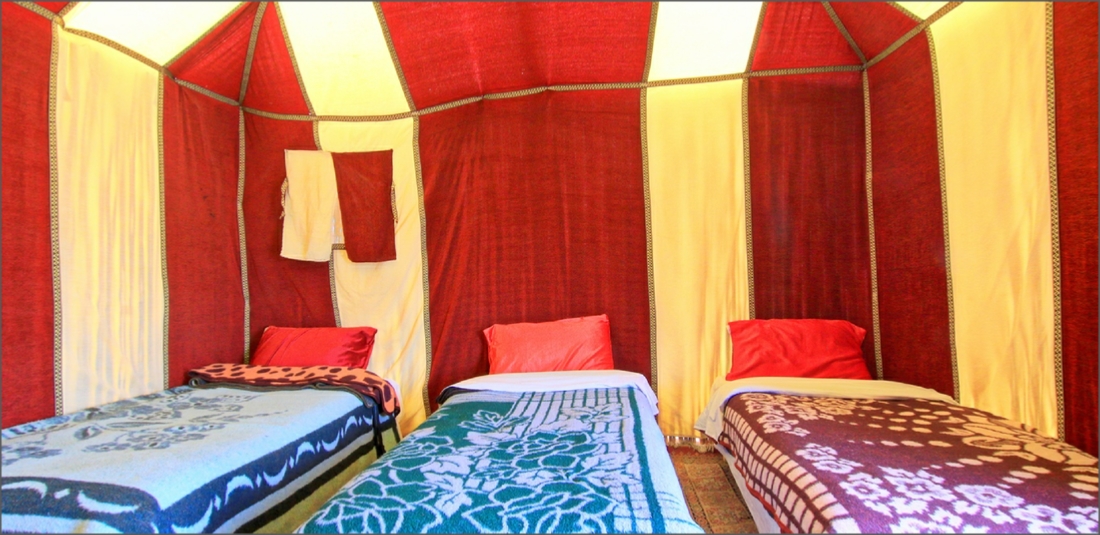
x=924 y=170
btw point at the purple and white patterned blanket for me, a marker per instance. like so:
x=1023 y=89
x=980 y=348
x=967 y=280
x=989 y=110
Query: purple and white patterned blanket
x=826 y=464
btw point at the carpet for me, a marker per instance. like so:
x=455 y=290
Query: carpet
x=711 y=492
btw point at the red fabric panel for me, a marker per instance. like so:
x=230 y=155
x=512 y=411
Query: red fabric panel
x=827 y=349
x=363 y=182
x=282 y=292
x=912 y=273
x=873 y=25
x=800 y=34
x=55 y=7
x=453 y=50
x=1075 y=73
x=27 y=311
x=571 y=344
x=319 y=346
x=272 y=84
x=811 y=255
x=534 y=213
x=217 y=62
x=205 y=303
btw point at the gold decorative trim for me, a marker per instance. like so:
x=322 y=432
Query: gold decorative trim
x=563 y=87
x=844 y=31
x=55 y=226
x=393 y=204
x=1055 y=224
x=649 y=243
x=756 y=35
x=913 y=32
x=241 y=236
x=49 y=15
x=163 y=225
x=943 y=209
x=65 y=11
x=905 y=11
x=205 y=34
x=393 y=55
x=204 y=91
x=424 y=261
x=748 y=197
x=294 y=63
x=252 y=38
x=643 y=108
x=332 y=286
x=868 y=185
x=649 y=43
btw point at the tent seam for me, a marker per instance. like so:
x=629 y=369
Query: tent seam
x=163 y=231
x=205 y=34
x=332 y=284
x=241 y=234
x=913 y=32
x=393 y=56
x=297 y=71
x=869 y=186
x=55 y=224
x=905 y=11
x=608 y=86
x=643 y=109
x=1055 y=224
x=424 y=265
x=844 y=31
x=748 y=199
x=49 y=15
x=246 y=74
x=65 y=11
x=943 y=210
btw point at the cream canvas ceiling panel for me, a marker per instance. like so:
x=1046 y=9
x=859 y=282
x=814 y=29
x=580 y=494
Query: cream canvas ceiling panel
x=922 y=9
x=157 y=30
x=702 y=38
x=342 y=55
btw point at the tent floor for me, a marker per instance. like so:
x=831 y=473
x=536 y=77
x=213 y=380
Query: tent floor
x=711 y=492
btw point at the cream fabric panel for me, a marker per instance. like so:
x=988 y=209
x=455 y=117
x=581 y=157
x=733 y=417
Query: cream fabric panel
x=310 y=206
x=702 y=38
x=342 y=54
x=388 y=296
x=991 y=59
x=112 y=293
x=697 y=202
x=157 y=30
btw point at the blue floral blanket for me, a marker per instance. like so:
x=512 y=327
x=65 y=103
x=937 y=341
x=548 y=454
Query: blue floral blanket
x=579 y=461
x=182 y=460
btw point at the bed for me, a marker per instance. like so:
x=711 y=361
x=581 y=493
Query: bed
x=842 y=455
x=574 y=452
x=258 y=451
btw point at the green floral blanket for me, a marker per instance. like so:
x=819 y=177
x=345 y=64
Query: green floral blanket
x=578 y=461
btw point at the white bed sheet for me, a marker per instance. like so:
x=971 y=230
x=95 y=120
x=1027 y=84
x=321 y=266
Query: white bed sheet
x=557 y=381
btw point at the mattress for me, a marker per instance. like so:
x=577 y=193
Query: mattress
x=215 y=459
x=828 y=456
x=562 y=452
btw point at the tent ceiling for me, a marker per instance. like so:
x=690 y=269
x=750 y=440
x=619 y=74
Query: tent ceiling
x=450 y=51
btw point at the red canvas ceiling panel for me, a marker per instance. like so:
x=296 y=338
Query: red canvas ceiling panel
x=454 y=50
x=217 y=61
x=283 y=292
x=27 y=341
x=535 y=212
x=55 y=7
x=811 y=254
x=912 y=271
x=800 y=34
x=873 y=25
x=205 y=305
x=1075 y=74
x=272 y=84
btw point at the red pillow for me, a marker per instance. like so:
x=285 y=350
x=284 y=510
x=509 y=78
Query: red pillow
x=554 y=346
x=321 y=346
x=797 y=348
